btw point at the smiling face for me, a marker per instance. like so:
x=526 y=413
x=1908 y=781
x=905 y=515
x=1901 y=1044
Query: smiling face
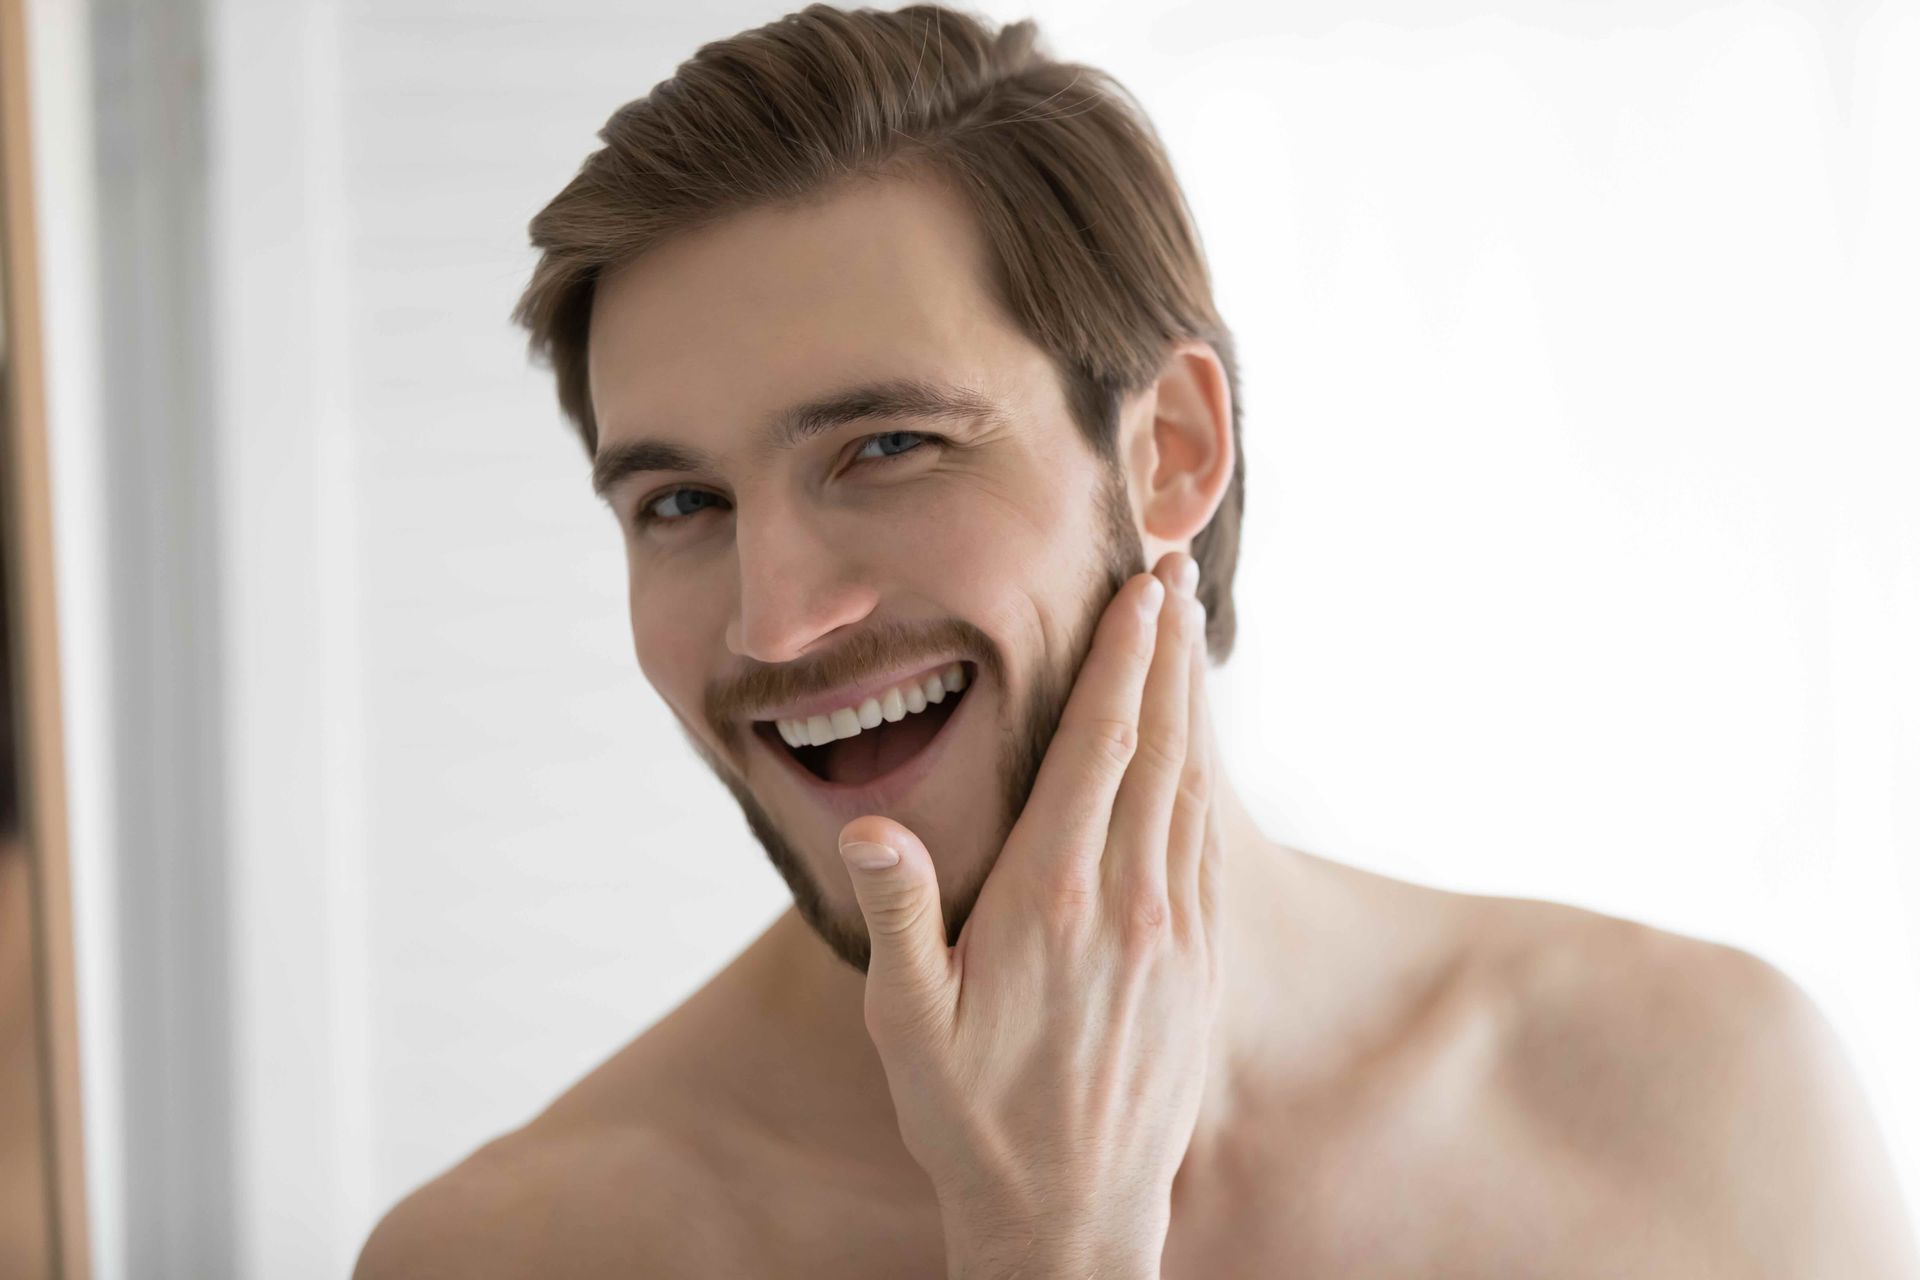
x=848 y=485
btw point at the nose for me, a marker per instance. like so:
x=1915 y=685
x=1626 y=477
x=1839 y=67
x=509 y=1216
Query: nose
x=797 y=587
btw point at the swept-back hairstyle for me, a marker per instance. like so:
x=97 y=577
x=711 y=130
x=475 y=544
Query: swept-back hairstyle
x=1092 y=245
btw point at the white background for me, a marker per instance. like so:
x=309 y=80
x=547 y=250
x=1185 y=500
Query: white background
x=1581 y=551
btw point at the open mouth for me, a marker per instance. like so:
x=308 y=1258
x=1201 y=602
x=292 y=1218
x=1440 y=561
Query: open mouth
x=857 y=746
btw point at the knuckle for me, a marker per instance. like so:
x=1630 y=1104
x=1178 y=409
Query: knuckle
x=1110 y=741
x=1070 y=899
x=1159 y=755
x=1145 y=914
x=894 y=913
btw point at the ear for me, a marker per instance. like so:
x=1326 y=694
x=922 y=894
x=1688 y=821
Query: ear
x=1177 y=446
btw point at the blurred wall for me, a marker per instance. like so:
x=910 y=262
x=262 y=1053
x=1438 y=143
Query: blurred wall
x=1580 y=548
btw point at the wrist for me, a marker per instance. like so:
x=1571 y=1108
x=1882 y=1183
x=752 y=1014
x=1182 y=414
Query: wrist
x=1050 y=1262
x=1049 y=1250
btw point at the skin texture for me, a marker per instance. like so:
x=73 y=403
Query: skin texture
x=1396 y=1080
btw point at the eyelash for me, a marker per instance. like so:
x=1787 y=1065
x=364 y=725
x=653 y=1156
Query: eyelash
x=644 y=517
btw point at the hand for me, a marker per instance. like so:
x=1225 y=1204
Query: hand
x=1047 y=1069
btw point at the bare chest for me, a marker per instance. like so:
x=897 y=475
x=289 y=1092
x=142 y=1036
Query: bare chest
x=1380 y=1205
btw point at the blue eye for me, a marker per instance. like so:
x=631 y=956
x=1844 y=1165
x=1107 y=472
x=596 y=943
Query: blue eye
x=677 y=504
x=674 y=506
x=891 y=444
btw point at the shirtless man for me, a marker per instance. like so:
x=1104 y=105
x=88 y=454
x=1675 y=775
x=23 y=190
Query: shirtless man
x=892 y=346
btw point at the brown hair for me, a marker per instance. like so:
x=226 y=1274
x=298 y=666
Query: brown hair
x=1091 y=240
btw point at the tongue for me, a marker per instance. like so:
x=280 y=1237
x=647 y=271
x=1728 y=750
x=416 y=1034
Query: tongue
x=881 y=749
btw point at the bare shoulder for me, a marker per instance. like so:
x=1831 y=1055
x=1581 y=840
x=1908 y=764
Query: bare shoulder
x=627 y=1172
x=1698 y=1078
x=557 y=1201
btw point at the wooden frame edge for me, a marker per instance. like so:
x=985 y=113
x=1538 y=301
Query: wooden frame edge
x=43 y=793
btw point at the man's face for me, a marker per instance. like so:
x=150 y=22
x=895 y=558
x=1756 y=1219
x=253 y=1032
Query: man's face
x=785 y=567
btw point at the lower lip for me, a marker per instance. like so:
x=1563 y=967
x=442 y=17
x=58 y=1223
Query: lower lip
x=887 y=789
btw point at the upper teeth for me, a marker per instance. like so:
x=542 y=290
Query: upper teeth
x=896 y=703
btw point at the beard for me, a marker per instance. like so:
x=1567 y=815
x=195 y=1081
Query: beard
x=1118 y=556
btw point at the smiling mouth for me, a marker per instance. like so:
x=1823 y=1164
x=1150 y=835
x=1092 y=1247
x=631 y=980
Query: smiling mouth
x=909 y=720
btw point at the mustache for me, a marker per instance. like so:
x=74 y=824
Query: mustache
x=882 y=647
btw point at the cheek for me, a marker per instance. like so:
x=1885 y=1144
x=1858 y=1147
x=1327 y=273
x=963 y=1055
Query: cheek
x=675 y=637
x=1010 y=557
x=983 y=535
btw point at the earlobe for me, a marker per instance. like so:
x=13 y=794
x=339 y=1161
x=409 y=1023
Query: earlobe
x=1192 y=444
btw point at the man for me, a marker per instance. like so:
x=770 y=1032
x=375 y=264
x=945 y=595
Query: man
x=893 y=348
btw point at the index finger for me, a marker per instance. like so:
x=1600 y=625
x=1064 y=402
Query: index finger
x=1072 y=799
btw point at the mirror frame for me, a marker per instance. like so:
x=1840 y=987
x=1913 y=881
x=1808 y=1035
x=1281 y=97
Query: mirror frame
x=26 y=508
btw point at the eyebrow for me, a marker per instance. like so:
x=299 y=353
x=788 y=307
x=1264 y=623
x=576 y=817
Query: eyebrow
x=898 y=398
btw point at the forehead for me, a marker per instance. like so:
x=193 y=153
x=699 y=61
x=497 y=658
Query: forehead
x=718 y=328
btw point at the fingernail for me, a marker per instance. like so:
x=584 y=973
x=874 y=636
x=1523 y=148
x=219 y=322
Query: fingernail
x=1189 y=574
x=867 y=856
x=1150 y=599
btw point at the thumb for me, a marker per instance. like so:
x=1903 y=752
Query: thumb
x=899 y=895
